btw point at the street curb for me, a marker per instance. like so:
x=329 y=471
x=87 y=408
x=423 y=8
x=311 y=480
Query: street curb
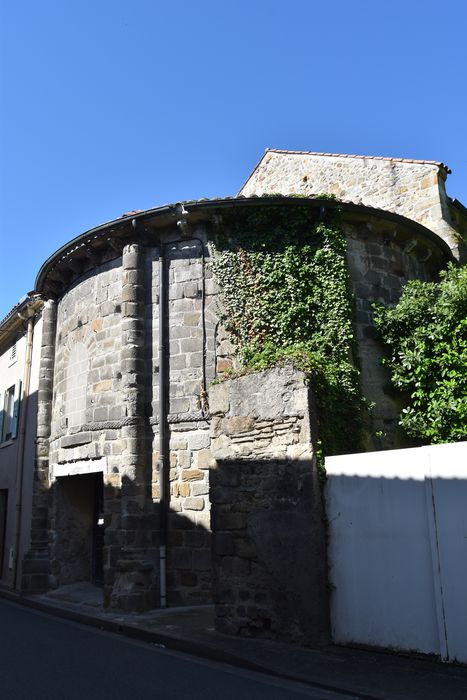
x=173 y=643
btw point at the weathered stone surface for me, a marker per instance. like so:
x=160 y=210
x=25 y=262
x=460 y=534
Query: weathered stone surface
x=218 y=399
x=243 y=432
x=268 y=535
x=76 y=439
x=415 y=190
x=192 y=475
x=198 y=440
x=193 y=504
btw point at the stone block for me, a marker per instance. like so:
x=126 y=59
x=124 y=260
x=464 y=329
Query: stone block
x=195 y=359
x=245 y=548
x=237 y=424
x=191 y=290
x=178 y=443
x=184 y=489
x=231 y=521
x=203 y=459
x=202 y=560
x=193 y=504
x=181 y=558
x=196 y=538
x=96 y=325
x=192 y=475
x=191 y=345
x=75 y=440
x=223 y=544
x=198 y=440
x=178 y=362
x=198 y=489
x=188 y=578
x=191 y=318
x=219 y=398
x=101 y=414
x=105 y=385
x=188 y=272
x=179 y=405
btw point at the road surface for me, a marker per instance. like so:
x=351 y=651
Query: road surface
x=46 y=658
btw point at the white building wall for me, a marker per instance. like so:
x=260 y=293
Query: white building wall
x=12 y=372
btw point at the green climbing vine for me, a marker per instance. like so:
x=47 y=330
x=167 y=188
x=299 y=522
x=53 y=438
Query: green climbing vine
x=285 y=290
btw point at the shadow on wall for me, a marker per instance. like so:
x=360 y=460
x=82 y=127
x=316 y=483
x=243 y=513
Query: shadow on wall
x=96 y=535
x=269 y=550
x=17 y=451
x=397 y=549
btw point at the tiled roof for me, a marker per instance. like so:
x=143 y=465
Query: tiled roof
x=13 y=319
x=346 y=155
x=13 y=311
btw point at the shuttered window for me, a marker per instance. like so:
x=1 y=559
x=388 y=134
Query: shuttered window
x=9 y=415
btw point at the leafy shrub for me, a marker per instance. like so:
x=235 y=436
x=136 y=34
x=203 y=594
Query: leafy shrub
x=426 y=340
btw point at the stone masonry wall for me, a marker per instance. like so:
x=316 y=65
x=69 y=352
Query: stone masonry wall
x=268 y=534
x=88 y=315
x=380 y=264
x=102 y=322
x=99 y=412
x=414 y=190
x=192 y=329
x=88 y=318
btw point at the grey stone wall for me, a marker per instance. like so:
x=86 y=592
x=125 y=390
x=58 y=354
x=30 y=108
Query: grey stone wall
x=413 y=189
x=192 y=330
x=112 y=317
x=89 y=316
x=36 y=563
x=106 y=340
x=380 y=264
x=267 y=527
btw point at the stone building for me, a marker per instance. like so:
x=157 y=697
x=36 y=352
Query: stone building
x=20 y=334
x=145 y=470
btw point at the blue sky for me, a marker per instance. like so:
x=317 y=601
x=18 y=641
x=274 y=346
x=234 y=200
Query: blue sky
x=108 y=106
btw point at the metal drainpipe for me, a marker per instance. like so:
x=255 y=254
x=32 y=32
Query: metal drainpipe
x=164 y=454
x=163 y=423
x=22 y=443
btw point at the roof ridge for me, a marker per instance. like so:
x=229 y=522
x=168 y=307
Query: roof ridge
x=349 y=155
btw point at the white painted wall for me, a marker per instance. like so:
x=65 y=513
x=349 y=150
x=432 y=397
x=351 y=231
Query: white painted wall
x=398 y=549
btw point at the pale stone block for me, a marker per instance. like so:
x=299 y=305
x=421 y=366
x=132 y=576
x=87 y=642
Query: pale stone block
x=193 y=503
x=198 y=440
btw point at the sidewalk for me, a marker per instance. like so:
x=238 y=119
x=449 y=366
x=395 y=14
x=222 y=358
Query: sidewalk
x=362 y=674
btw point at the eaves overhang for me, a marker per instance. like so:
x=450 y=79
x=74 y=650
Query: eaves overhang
x=68 y=262
x=15 y=319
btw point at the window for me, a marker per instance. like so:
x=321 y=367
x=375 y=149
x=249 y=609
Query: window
x=13 y=356
x=9 y=412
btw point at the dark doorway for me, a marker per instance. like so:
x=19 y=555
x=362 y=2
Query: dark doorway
x=79 y=529
x=3 y=509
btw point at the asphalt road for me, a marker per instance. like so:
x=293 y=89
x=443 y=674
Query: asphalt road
x=45 y=658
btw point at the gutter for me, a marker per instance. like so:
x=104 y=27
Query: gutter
x=164 y=454
x=200 y=209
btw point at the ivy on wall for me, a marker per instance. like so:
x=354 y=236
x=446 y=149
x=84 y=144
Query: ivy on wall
x=426 y=340
x=285 y=291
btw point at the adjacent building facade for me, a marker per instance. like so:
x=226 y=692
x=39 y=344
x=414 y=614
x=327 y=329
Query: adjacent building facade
x=20 y=334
